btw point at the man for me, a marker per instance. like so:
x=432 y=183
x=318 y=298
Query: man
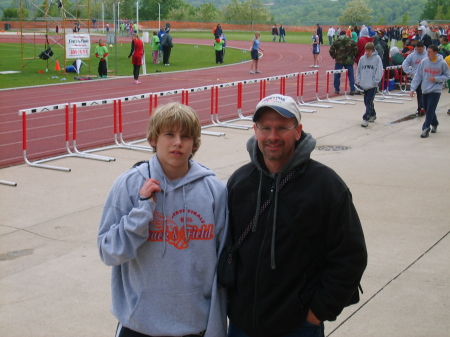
x=282 y=34
x=274 y=33
x=302 y=261
x=319 y=33
x=161 y=33
x=384 y=46
x=330 y=34
x=410 y=66
x=167 y=46
x=432 y=73
x=343 y=51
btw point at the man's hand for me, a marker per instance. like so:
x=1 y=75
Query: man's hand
x=150 y=187
x=311 y=318
x=432 y=79
x=411 y=93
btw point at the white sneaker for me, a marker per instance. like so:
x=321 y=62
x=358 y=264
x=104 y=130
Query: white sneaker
x=364 y=123
x=372 y=119
x=313 y=66
x=257 y=72
x=252 y=72
x=316 y=66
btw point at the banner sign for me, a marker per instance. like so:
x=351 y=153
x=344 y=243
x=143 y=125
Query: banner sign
x=78 y=46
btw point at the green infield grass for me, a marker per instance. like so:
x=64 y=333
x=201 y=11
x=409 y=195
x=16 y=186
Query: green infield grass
x=40 y=72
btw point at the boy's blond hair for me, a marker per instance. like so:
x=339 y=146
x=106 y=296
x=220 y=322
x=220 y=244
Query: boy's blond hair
x=369 y=46
x=174 y=117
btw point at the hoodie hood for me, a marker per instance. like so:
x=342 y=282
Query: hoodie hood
x=295 y=166
x=364 y=32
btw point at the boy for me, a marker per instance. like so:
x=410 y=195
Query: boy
x=369 y=74
x=101 y=52
x=410 y=65
x=431 y=73
x=162 y=230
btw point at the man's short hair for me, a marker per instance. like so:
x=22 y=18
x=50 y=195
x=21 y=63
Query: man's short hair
x=445 y=38
x=434 y=48
x=369 y=46
x=175 y=116
x=420 y=44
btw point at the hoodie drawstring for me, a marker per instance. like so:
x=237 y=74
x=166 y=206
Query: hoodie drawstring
x=274 y=226
x=258 y=203
x=164 y=217
x=185 y=215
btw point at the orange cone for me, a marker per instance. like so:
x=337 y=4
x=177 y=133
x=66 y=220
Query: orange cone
x=57 y=67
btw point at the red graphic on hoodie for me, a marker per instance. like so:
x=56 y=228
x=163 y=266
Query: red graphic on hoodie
x=193 y=228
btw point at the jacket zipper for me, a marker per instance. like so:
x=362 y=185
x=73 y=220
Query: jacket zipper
x=272 y=188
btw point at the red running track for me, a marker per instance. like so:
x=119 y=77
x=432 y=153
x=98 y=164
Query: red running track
x=46 y=131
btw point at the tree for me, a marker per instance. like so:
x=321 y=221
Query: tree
x=207 y=12
x=405 y=20
x=247 y=11
x=430 y=11
x=183 y=13
x=356 y=13
x=148 y=9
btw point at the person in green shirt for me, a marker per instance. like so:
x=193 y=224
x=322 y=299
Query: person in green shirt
x=218 y=45
x=101 y=52
x=155 y=46
x=122 y=29
x=444 y=47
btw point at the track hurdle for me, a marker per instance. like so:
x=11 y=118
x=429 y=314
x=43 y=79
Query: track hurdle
x=215 y=112
x=337 y=71
x=239 y=104
x=400 y=76
x=384 y=98
x=37 y=163
x=77 y=152
x=301 y=86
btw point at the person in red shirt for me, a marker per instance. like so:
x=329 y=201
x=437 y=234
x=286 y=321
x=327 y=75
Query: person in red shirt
x=137 y=54
x=363 y=39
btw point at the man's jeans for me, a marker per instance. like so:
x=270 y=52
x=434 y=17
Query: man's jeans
x=350 y=74
x=330 y=39
x=281 y=37
x=274 y=38
x=369 y=96
x=306 y=330
x=430 y=102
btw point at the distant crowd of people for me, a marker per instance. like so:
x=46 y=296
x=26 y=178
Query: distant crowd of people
x=424 y=58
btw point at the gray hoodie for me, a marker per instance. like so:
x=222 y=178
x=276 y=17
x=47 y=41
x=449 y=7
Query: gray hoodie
x=164 y=254
x=412 y=61
x=370 y=71
x=427 y=68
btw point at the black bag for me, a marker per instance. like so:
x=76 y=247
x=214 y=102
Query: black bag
x=47 y=53
x=226 y=268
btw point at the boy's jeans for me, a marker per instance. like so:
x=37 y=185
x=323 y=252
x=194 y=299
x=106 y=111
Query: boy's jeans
x=430 y=102
x=369 y=96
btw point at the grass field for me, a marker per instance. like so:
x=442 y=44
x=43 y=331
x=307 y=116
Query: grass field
x=183 y=57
